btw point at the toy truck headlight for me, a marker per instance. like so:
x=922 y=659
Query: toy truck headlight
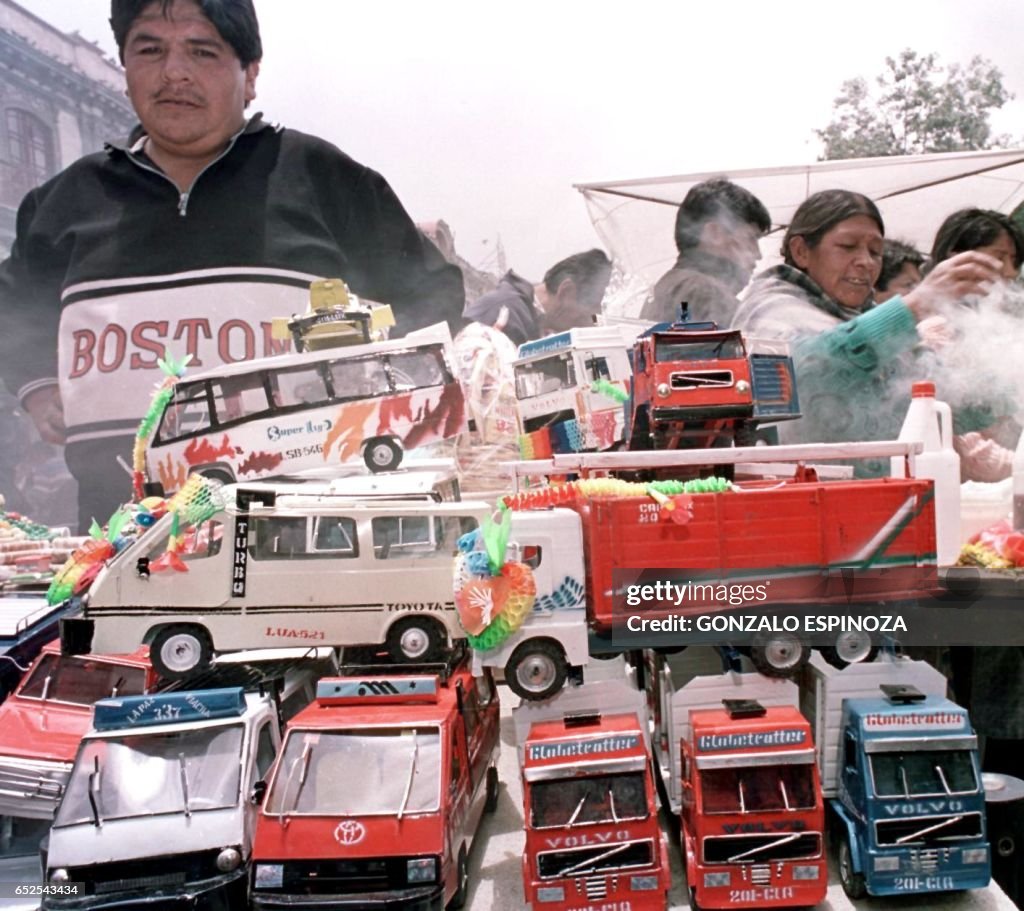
x=887 y=864
x=551 y=894
x=975 y=855
x=421 y=870
x=643 y=883
x=742 y=387
x=806 y=871
x=268 y=876
x=663 y=390
x=711 y=880
x=229 y=859
x=60 y=875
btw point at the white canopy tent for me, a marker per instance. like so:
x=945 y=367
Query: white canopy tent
x=635 y=218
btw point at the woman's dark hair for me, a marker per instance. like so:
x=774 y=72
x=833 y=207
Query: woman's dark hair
x=969 y=229
x=235 y=21
x=821 y=212
x=895 y=255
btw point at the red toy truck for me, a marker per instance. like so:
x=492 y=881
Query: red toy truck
x=43 y=722
x=691 y=385
x=741 y=773
x=591 y=818
x=377 y=794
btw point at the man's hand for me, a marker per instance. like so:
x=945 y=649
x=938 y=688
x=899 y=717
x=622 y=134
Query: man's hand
x=47 y=412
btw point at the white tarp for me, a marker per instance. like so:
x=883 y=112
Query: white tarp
x=635 y=218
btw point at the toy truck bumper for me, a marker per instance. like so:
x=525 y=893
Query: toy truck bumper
x=75 y=635
x=429 y=898
x=219 y=893
x=942 y=876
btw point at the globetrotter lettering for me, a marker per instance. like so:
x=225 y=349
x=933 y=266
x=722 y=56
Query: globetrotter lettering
x=573 y=748
x=945 y=721
x=783 y=738
x=142 y=344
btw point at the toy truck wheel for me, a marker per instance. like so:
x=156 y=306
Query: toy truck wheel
x=382 y=454
x=491 y=798
x=178 y=650
x=851 y=881
x=779 y=655
x=852 y=647
x=462 y=880
x=414 y=639
x=537 y=669
x=217 y=474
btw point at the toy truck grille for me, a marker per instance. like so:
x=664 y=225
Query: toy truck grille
x=578 y=861
x=344 y=877
x=946 y=829
x=722 y=849
x=121 y=876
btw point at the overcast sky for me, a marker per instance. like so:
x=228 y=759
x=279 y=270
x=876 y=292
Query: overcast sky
x=485 y=114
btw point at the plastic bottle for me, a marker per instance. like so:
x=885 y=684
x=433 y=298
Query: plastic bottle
x=931 y=422
x=1018 y=485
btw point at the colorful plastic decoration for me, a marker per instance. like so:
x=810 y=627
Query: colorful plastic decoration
x=86 y=562
x=493 y=597
x=196 y=502
x=616 y=393
x=173 y=370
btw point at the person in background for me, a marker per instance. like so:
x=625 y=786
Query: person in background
x=188 y=239
x=569 y=295
x=718 y=228
x=849 y=355
x=517 y=311
x=901 y=269
x=987 y=454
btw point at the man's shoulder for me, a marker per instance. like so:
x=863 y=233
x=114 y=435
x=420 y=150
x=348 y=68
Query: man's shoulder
x=297 y=142
x=706 y=296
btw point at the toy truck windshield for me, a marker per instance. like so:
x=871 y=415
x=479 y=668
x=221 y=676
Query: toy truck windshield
x=672 y=348
x=568 y=802
x=758 y=789
x=369 y=772
x=545 y=375
x=180 y=772
x=81 y=680
x=923 y=773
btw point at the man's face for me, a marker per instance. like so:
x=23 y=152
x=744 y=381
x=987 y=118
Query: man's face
x=185 y=81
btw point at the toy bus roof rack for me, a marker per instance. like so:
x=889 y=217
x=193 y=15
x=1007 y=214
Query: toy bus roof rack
x=901 y=693
x=378 y=689
x=188 y=707
x=366 y=661
x=744 y=708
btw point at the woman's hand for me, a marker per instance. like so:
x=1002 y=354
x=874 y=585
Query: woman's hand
x=951 y=280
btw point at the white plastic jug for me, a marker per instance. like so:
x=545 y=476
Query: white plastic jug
x=931 y=422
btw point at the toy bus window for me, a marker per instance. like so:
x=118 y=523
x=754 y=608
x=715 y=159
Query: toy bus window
x=358 y=378
x=335 y=536
x=417 y=369
x=274 y=537
x=299 y=387
x=238 y=397
x=202 y=540
x=265 y=752
x=82 y=681
x=597 y=368
x=187 y=413
x=923 y=773
x=548 y=374
x=850 y=751
x=402 y=536
x=729 y=348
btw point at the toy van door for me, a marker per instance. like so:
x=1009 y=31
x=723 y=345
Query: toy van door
x=480 y=718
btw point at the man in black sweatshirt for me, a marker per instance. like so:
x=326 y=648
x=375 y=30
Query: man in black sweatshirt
x=189 y=239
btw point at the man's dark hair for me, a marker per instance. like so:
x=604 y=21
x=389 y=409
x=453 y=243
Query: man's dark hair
x=895 y=255
x=969 y=229
x=589 y=272
x=717 y=200
x=821 y=212
x=235 y=21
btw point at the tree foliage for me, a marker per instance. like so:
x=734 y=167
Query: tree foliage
x=919 y=107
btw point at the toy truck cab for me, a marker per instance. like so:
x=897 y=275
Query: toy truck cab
x=158 y=808
x=378 y=793
x=910 y=797
x=690 y=384
x=591 y=818
x=569 y=387
x=44 y=720
x=753 y=815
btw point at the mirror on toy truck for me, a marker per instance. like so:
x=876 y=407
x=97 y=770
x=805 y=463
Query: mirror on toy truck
x=266 y=572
